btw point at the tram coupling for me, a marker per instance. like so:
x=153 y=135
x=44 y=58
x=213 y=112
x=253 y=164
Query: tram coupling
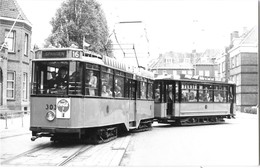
x=39 y=135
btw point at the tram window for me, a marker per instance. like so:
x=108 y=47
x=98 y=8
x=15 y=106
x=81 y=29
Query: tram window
x=143 y=89
x=150 y=90
x=189 y=92
x=169 y=94
x=218 y=94
x=184 y=95
x=91 y=81
x=133 y=89
x=177 y=92
x=205 y=93
x=127 y=87
x=119 y=86
x=107 y=81
x=51 y=77
x=75 y=78
x=138 y=90
x=157 y=94
x=231 y=94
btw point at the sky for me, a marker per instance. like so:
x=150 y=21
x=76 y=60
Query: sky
x=166 y=25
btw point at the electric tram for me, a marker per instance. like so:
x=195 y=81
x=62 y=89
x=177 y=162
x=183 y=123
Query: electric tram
x=193 y=101
x=83 y=95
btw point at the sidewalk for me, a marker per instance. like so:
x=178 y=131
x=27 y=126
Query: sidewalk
x=14 y=126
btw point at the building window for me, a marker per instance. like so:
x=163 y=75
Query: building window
x=10 y=85
x=25 y=88
x=232 y=65
x=223 y=67
x=237 y=60
x=10 y=40
x=26 y=37
x=207 y=73
x=201 y=73
x=174 y=72
x=164 y=72
x=183 y=72
x=216 y=74
x=190 y=72
x=186 y=60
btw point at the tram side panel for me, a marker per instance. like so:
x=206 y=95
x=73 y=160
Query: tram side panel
x=79 y=112
x=160 y=110
x=145 y=110
x=203 y=109
x=112 y=111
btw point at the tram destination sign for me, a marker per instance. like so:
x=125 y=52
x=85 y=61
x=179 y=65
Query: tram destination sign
x=54 y=54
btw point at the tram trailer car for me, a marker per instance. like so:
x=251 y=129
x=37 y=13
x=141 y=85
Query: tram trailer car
x=193 y=102
x=97 y=98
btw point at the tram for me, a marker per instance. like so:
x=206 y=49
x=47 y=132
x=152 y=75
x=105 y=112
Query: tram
x=82 y=95
x=187 y=101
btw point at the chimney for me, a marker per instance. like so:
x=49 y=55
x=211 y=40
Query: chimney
x=233 y=35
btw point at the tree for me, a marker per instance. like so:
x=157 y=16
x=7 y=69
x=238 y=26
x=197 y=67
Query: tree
x=77 y=19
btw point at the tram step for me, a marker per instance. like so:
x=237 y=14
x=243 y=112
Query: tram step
x=131 y=128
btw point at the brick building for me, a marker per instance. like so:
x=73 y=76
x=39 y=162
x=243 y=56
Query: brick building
x=15 y=56
x=244 y=68
x=171 y=63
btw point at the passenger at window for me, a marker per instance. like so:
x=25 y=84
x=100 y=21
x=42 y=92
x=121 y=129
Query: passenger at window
x=184 y=97
x=220 y=98
x=52 y=81
x=104 y=91
x=62 y=77
x=206 y=97
x=118 y=91
x=92 y=83
x=109 y=91
x=157 y=95
x=75 y=77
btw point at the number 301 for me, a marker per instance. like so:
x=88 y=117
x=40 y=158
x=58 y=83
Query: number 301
x=50 y=107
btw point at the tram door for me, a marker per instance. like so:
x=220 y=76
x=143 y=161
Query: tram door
x=169 y=97
x=134 y=92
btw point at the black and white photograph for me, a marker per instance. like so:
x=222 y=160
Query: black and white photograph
x=129 y=83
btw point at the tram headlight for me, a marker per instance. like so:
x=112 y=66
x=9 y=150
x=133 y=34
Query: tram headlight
x=50 y=115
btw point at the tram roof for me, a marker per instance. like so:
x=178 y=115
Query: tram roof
x=197 y=79
x=57 y=54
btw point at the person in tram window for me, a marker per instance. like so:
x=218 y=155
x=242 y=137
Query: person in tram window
x=92 y=83
x=52 y=81
x=206 y=97
x=104 y=91
x=75 y=77
x=62 y=78
x=109 y=91
x=157 y=95
x=118 y=91
x=220 y=98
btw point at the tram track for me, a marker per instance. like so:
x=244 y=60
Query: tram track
x=50 y=154
x=72 y=154
x=9 y=160
x=70 y=158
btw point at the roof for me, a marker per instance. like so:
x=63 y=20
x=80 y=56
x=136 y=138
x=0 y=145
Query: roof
x=250 y=37
x=10 y=9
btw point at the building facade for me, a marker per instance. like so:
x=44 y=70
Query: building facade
x=15 y=57
x=201 y=64
x=244 y=68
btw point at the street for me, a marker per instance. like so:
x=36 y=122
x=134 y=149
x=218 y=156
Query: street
x=233 y=143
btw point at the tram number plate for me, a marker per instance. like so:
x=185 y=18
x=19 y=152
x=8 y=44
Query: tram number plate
x=50 y=107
